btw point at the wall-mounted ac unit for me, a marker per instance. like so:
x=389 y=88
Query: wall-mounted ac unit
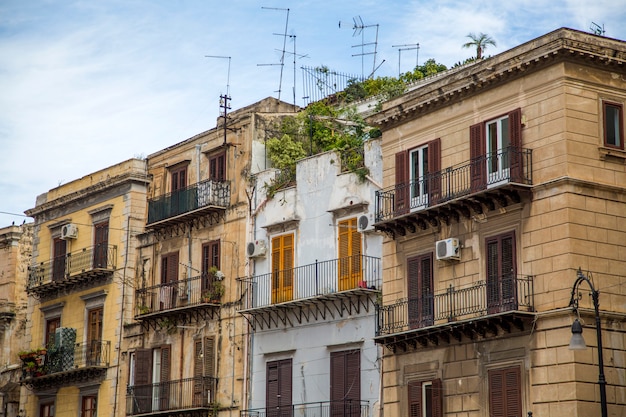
x=364 y=224
x=256 y=249
x=69 y=231
x=448 y=249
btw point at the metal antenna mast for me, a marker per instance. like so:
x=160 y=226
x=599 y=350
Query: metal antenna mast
x=282 y=58
x=228 y=76
x=358 y=29
x=295 y=55
x=413 y=46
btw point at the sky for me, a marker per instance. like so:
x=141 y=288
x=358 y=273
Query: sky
x=88 y=84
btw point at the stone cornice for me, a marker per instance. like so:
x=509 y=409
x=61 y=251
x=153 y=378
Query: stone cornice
x=459 y=83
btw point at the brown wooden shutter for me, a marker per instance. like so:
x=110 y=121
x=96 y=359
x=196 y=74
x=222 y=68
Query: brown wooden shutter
x=59 y=259
x=515 y=152
x=279 y=392
x=413 y=265
x=478 y=167
x=165 y=377
x=142 y=390
x=101 y=243
x=401 y=205
x=505 y=398
x=345 y=383
x=434 y=168
x=217 y=167
x=415 y=398
x=437 y=390
x=426 y=290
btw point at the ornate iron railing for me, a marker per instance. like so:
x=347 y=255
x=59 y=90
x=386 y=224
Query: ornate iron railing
x=312 y=280
x=98 y=258
x=67 y=358
x=454 y=304
x=511 y=165
x=182 y=394
x=178 y=294
x=346 y=408
x=188 y=199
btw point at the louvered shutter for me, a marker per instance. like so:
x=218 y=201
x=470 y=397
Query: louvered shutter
x=415 y=398
x=434 y=171
x=509 y=285
x=353 y=383
x=279 y=392
x=165 y=377
x=101 y=243
x=426 y=290
x=401 y=205
x=505 y=398
x=59 y=259
x=337 y=383
x=437 y=403
x=515 y=153
x=478 y=167
x=345 y=383
x=142 y=390
x=413 y=265
x=496 y=395
x=198 y=373
x=493 y=271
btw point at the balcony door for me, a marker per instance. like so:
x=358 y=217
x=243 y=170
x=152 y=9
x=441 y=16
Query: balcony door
x=497 y=145
x=501 y=273
x=178 y=185
x=94 y=336
x=282 y=268
x=151 y=380
x=420 y=291
x=100 y=244
x=278 y=391
x=345 y=383
x=59 y=259
x=418 y=178
x=204 y=366
x=169 y=281
x=350 y=271
x=210 y=261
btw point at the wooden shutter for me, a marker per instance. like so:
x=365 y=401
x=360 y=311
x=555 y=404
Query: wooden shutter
x=59 y=259
x=169 y=268
x=437 y=400
x=478 y=167
x=413 y=291
x=420 y=290
x=501 y=273
x=164 y=392
x=282 y=268
x=505 y=397
x=210 y=258
x=279 y=388
x=142 y=390
x=515 y=152
x=434 y=174
x=101 y=243
x=349 y=244
x=401 y=205
x=345 y=383
x=217 y=167
x=415 y=398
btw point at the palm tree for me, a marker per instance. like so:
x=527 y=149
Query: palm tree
x=480 y=41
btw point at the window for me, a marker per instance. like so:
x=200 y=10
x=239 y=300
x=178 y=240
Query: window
x=420 y=291
x=345 y=383
x=613 y=125
x=59 y=255
x=349 y=243
x=425 y=398
x=88 y=406
x=282 y=268
x=217 y=167
x=210 y=258
x=278 y=390
x=495 y=151
x=51 y=325
x=46 y=409
x=204 y=366
x=417 y=181
x=169 y=280
x=151 y=369
x=179 y=178
x=100 y=244
x=94 y=336
x=505 y=397
x=501 y=273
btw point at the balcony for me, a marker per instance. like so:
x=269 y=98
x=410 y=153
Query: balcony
x=169 y=303
x=480 y=185
x=88 y=266
x=201 y=204
x=322 y=290
x=345 y=408
x=190 y=396
x=62 y=366
x=477 y=310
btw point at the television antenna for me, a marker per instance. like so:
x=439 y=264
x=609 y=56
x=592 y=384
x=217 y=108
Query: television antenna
x=407 y=47
x=282 y=58
x=596 y=29
x=358 y=29
x=228 y=76
x=295 y=56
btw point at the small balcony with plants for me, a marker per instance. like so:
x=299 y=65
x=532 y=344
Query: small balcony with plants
x=204 y=201
x=164 y=305
x=479 y=310
x=467 y=190
x=311 y=292
x=88 y=266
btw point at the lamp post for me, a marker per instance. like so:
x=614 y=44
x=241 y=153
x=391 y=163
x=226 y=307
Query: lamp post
x=577 y=342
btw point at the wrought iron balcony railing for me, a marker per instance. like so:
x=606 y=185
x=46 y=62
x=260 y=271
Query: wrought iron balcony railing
x=57 y=359
x=313 y=280
x=346 y=408
x=191 y=198
x=190 y=393
x=455 y=304
x=511 y=165
x=98 y=259
x=178 y=294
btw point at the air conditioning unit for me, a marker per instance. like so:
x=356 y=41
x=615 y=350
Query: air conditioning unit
x=256 y=249
x=69 y=231
x=448 y=249
x=364 y=224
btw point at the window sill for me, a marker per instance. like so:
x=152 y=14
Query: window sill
x=612 y=154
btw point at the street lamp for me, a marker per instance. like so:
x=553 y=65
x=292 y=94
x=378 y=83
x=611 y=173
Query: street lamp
x=577 y=342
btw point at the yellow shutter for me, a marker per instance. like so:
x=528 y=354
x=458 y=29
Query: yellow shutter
x=282 y=268
x=349 y=245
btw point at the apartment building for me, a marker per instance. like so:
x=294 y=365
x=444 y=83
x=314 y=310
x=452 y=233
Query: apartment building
x=78 y=292
x=504 y=208
x=186 y=346
x=309 y=299
x=15 y=254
